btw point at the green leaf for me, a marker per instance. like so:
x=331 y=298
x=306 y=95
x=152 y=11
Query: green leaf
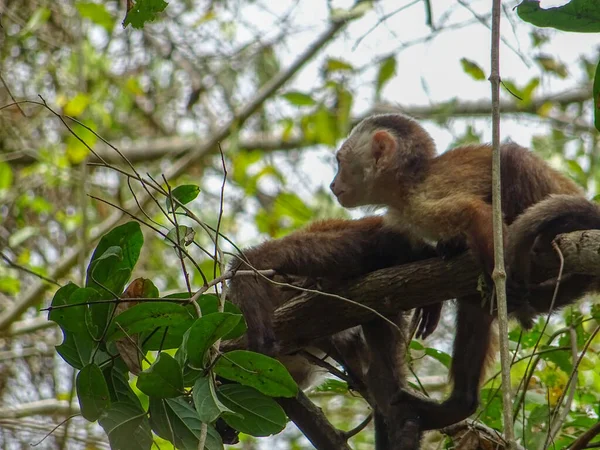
x=205 y=332
x=578 y=15
x=177 y=421
x=144 y=11
x=209 y=303
x=119 y=388
x=130 y=239
x=92 y=392
x=71 y=318
x=440 y=356
x=6 y=176
x=36 y=20
x=257 y=415
x=77 y=350
x=333 y=386
x=297 y=98
x=162 y=379
x=127 y=427
x=184 y=194
x=596 y=95
x=337 y=65
x=97 y=13
x=472 y=68
x=107 y=276
x=207 y=403
x=147 y=316
x=562 y=358
x=259 y=371
x=77 y=105
x=325 y=126
x=77 y=150
x=387 y=69
x=186 y=235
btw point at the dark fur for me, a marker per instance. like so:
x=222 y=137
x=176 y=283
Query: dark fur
x=334 y=251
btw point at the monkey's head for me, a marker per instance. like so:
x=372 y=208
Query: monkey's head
x=384 y=153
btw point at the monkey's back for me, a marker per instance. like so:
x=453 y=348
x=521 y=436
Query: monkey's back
x=526 y=178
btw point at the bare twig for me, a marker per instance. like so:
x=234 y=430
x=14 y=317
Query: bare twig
x=499 y=274
x=582 y=441
x=556 y=424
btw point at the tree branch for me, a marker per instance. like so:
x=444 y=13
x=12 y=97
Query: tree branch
x=309 y=317
x=171 y=146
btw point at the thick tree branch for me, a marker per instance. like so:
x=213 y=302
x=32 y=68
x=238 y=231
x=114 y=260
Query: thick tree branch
x=172 y=146
x=310 y=316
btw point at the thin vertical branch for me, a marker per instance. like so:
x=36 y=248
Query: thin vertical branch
x=499 y=275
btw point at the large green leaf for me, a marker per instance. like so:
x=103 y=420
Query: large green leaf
x=177 y=421
x=257 y=414
x=205 y=332
x=71 y=318
x=147 y=316
x=127 y=427
x=112 y=268
x=162 y=379
x=261 y=372
x=207 y=404
x=577 y=15
x=92 y=392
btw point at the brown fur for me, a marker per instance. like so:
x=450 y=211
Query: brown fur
x=333 y=251
x=445 y=199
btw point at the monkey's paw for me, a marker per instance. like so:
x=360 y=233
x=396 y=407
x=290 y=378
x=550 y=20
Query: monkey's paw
x=450 y=248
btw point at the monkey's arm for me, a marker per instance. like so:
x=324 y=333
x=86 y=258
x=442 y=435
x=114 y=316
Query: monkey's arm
x=332 y=250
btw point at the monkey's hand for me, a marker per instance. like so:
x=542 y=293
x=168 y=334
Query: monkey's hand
x=450 y=248
x=433 y=415
x=426 y=319
x=518 y=303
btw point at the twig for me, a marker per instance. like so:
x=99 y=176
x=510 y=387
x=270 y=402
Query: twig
x=27 y=270
x=357 y=429
x=499 y=273
x=558 y=421
x=325 y=365
x=572 y=377
x=11 y=96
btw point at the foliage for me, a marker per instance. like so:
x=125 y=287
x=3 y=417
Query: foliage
x=90 y=323
x=581 y=16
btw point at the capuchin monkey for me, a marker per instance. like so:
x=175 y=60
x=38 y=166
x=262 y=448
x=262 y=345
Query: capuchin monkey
x=327 y=254
x=447 y=199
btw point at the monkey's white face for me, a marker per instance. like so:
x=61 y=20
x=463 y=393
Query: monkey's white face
x=354 y=178
x=362 y=160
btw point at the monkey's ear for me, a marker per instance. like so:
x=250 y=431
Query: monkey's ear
x=383 y=145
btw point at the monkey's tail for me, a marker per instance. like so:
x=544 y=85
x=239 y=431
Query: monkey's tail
x=541 y=223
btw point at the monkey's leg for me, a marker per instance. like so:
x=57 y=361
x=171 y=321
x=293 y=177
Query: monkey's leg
x=396 y=428
x=471 y=348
